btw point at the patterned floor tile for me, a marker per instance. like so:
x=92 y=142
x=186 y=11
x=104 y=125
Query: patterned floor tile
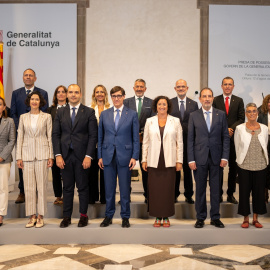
x=239 y=253
x=181 y=263
x=67 y=250
x=247 y=267
x=122 y=253
x=58 y=263
x=12 y=252
x=181 y=251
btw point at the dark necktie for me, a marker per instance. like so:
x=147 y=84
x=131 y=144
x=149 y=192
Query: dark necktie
x=139 y=106
x=73 y=115
x=117 y=118
x=28 y=92
x=182 y=109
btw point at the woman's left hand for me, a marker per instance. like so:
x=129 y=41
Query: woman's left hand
x=178 y=167
x=50 y=162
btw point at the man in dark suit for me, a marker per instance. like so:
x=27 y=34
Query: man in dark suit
x=208 y=153
x=18 y=107
x=118 y=150
x=142 y=105
x=182 y=106
x=74 y=139
x=233 y=106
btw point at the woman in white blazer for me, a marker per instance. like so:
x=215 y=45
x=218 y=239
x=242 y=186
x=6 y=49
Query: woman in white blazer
x=162 y=156
x=251 y=139
x=35 y=155
x=7 y=141
x=100 y=102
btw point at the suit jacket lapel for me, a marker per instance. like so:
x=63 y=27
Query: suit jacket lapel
x=222 y=104
x=28 y=119
x=3 y=124
x=123 y=117
x=78 y=115
x=167 y=126
x=232 y=104
x=203 y=120
x=67 y=115
x=39 y=121
x=156 y=125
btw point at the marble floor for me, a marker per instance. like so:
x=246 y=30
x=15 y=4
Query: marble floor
x=128 y=257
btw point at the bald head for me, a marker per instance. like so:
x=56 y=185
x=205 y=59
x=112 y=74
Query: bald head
x=181 y=88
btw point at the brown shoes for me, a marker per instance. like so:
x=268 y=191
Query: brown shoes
x=21 y=198
x=83 y=221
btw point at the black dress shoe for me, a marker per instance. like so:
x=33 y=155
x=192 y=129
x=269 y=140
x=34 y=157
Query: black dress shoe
x=199 y=223
x=65 y=222
x=106 y=222
x=217 y=223
x=125 y=223
x=231 y=199
x=103 y=201
x=189 y=200
x=91 y=202
x=83 y=221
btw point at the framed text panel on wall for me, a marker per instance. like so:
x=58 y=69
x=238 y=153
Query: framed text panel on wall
x=42 y=37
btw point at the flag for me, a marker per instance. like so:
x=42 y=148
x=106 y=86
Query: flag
x=2 y=93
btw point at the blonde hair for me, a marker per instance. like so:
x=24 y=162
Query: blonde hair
x=106 y=101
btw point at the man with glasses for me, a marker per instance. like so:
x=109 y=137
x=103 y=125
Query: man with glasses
x=182 y=106
x=118 y=150
x=233 y=106
x=142 y=105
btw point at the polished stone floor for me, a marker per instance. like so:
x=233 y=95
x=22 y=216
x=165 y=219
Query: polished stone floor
x=127 y=257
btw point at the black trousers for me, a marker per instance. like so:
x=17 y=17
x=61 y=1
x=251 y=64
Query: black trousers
x=188 y=184
x=20 y=185
x=232 y=172
x=72 y=173
x=93 y=183
x=251 y=182
x=57 y=182
x=144 y=175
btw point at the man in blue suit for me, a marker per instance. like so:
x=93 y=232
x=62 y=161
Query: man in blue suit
x=208 y=153
x=118 y=150
x=18 y=107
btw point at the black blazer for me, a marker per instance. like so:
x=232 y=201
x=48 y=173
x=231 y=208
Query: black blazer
x=236 y=114
x=83 y=134
x=146 y=111
x=191 y=106
x=263 y=118
x=52 y=111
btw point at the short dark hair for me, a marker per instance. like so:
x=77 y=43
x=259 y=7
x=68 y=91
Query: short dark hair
x=206 y=88
x=157 y=99
x=227 y=78
x=31 y=70
x=41 y=98
x=117 y=89
x=55 y=100
x=4 y=113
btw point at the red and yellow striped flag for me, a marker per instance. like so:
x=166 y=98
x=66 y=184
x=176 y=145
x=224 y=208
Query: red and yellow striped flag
x=2 y=93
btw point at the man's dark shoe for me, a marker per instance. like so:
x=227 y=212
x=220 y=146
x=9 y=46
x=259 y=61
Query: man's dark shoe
x=189 y=200
x=217 y=223
x=199 y=223
x=231 y=199
x=91 y=202
x=106 y=222
x=125 y=223
x=103 y=201
x=65 y=222
x=220 y=199
x=21 y=198
x=83 y=221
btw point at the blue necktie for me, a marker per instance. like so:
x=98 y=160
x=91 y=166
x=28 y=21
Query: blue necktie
x=117 y=118
x=208 y=120
x=28 y=92
x=182 y=109
x=73 y=116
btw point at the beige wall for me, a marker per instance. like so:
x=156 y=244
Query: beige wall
x=156 y=40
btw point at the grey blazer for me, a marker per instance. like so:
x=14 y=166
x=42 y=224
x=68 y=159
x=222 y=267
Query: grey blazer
x=7 y=139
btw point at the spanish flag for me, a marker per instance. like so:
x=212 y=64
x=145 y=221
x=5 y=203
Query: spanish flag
x=2 y=93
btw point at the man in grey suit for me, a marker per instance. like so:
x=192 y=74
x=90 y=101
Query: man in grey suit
x=233 y=106
x=182 y=106
x=208 y=153
x=143 y=106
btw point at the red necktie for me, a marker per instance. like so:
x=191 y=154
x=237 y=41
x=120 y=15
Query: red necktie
x=227 y=105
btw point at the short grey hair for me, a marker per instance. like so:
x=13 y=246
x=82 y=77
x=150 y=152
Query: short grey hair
x=251 y=104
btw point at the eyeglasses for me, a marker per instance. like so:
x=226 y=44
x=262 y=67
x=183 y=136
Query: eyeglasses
x=250 y=112
x=116 y=97
x=180 y=86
